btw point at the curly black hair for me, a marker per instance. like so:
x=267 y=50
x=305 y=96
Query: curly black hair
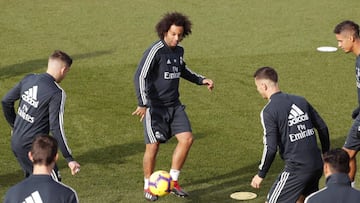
x=174 y=18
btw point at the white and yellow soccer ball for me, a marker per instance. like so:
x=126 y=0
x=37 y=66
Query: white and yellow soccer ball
x=160 y=183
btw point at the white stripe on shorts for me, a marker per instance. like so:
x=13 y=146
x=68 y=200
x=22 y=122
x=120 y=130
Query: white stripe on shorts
x=279 y=186
x=148 y=126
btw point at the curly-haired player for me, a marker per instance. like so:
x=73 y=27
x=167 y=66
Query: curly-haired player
x=157 y=83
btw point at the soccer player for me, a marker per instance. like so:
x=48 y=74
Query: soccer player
x=289 y=124
x=157 y=83
x=40 y=111
x=40 y=186
x=338 y=185
x=347 y=35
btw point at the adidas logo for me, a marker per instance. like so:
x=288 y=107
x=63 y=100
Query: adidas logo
x=30 y=96
x=296 y=115
x=33 y=198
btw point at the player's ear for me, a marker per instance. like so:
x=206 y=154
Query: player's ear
x=63 y=69
x=264 y=86
x=56 y=157
x=30 y=156
x=326 y=169
x=351 y=38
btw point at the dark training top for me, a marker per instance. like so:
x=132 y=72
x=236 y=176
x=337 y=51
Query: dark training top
x=338 y=190
x=40 y=111
x=289 y=124
x=158 y=74
x=40 y=188
x=357 y=72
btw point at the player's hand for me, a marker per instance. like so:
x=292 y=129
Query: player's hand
x=256 y=181
x=140 y=111
x=355 y=113
x=209 y=83
x=74 y=167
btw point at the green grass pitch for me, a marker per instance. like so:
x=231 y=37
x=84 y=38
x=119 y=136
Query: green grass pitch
x=230 y=40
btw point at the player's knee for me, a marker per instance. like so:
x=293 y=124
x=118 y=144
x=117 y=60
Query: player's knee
x=187 y=141
x=190 y=140
x=152 y=148
x=185 y=138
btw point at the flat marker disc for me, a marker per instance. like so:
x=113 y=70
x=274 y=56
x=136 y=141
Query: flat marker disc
x=326 y=49
x=243 y=195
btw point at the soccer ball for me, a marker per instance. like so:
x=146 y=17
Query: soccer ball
x=160 y=183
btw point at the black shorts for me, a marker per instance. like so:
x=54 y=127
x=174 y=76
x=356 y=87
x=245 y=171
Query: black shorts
x=353 y=139
x=161 y=123
x=290 y=185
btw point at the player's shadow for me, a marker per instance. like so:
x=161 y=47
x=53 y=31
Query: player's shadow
x=10 y=179
x=219 y=187
x=36 y=64
x=114 y=154
x=117 y=153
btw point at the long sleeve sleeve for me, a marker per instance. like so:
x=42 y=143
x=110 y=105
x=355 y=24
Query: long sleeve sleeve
x=8 y=102
x=322 y=129
x=191 y=76
x=270 y=143
x=56 y=119
x=141 y=75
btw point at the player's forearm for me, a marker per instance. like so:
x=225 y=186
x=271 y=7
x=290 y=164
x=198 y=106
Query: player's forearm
x=62 y=143
x=324 y=139
x=192 y=76
x=9 y=113
x=268 y=158
x=66 y=152
x=139 y=83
